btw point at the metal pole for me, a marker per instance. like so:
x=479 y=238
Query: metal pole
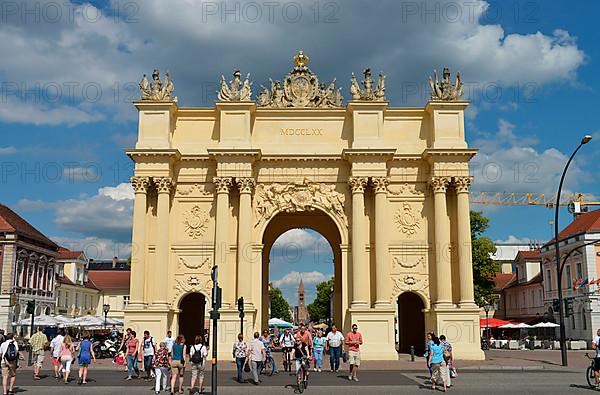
x=561 y=315
x=487 y=326
x=30 y=362
x=213 y=376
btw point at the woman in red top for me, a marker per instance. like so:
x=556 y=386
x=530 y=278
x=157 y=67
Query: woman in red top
x=161 y=367
x=132 y=353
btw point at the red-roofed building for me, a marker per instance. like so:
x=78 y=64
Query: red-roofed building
x=76 y=294
x=583 y=263
x=113 y=286
x=27 y=264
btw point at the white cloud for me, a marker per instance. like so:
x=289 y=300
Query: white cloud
x=95 y=247
x=292 y=279
x=124 y=140
x=511 y=239
x=27 y=205
x=122 y=191
x=300 y=238
x=85 y=174
x=7 y=150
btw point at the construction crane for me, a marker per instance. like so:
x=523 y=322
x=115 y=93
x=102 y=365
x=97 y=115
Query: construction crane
x=575 y=201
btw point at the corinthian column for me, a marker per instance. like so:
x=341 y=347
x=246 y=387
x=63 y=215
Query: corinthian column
x=138 y=242
x=244 y=250
x=382 y=266
x=360 y=264
x=161 y=269
x=443 y=267
x=223 y=184
x=465 y=262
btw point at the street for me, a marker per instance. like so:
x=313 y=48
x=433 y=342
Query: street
x=374 y=382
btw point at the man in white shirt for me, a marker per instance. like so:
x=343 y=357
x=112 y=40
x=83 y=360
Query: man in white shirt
x=169 y=341
x=198 y=354
x=334 y=341
x=10 y=359
x=55 y=346
x=257 y=354
x=596 y=347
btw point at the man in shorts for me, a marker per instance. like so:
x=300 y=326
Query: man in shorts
x=10 y=358
x=55 y=346
x=38 y=343
x=354 y=341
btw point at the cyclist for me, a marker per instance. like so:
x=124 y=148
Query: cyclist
x=300 y=350
x=596 y=347
x=287 y=345
x=305 y=337
x=268 y=342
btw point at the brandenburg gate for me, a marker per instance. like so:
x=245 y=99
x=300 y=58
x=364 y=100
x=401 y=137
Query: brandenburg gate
x=387 y=187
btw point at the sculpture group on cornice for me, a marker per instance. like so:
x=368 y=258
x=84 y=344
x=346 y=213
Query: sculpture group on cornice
x=367 y=93
x=301 y=88
x=157 y=90
x=445 y=90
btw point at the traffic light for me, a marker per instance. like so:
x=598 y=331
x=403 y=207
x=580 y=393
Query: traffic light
x=31 y=307
x=240 y=303
x=555 y=305
x=568 y=307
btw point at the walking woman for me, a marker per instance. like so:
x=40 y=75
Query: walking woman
x=161 y=367
x=438 y=366
x=86 y=353
x=448 y=359
x=240 y=353
x=178 y=363
x=430 y=336
x=318 y=347
x=133 y=344
x=66 y=357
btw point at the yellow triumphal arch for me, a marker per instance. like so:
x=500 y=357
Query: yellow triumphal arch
x=388 y=188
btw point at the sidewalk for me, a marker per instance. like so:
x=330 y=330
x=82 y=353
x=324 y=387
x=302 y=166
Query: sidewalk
x=513 y=360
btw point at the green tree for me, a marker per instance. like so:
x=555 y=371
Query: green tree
x=319 y=309
x=484 y=267
x=280 y=308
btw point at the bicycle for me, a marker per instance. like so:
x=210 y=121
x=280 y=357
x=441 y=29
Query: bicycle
x=590 y=372
x=268 y=368
x=302 y=374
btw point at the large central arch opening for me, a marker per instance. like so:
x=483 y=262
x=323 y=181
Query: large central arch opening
x=302 y=245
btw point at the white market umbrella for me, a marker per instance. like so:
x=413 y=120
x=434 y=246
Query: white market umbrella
x=546 y=325
x=507 y=326
x=88 y=321
x=522 y=325
x=40 y=320
x=280 y=323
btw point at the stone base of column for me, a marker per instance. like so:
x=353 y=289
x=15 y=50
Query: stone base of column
x=383 y=305
x=360 y=305
x=154 y=320
x=377 y=329
x=468 y=305
x=461 y=327
x=159 y=305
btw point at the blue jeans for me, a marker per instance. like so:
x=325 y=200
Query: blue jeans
x=334 y=357
x=132 y=365
x=318 y=353
x=239 y=363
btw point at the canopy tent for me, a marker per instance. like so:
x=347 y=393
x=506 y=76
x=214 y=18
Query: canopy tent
x=546 y=325
x=40 y=320
x=491 y=322
x=278 y=323
x=521 y=325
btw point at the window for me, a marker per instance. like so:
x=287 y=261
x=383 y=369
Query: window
x=579 y=271
x=19 y=278
x=40 y=274
x=67 y=300
x=541 y=299
x=78 y=278
x=58 y=298
x=573 y=321
x=583 y=319
x=125 y=301
x=549 y=280
x=76 y=300
x=30 y=276
x=523 y=304
x=568 y=284
x=85 y=301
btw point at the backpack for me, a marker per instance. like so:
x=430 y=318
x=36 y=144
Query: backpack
x=11 y=353
x=197 y=357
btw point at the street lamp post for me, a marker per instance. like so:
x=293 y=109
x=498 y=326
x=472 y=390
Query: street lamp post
x=487 y=308
x=105 y=309
x=330 y=305
x=563 y=343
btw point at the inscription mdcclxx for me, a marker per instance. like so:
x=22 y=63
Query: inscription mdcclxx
x=301 y=131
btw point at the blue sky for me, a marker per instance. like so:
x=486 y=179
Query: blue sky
x=69 y=73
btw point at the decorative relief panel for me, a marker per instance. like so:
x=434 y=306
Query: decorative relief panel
x=408 y=220
x=409 y=261
x=294 y=197
x=196 y=222
x=406 y=189
x=192 y=190
x=194 y=261
x=189 y=284
x=412 y=283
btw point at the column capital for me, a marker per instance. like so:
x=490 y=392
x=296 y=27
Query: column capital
x=140 y=184
x=163 y=184
x=246 y=184
x=223 y=184
x=462 y=184
x=380 y=184
x=357 y=184
x=439 y=184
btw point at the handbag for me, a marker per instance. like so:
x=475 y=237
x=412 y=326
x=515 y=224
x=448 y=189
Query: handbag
x=344 y=356
x=246 y=367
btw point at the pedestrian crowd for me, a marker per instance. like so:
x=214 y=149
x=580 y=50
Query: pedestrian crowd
x=440 y=363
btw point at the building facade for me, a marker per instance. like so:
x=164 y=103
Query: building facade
x=387 y=187
x=582 y=253
x=112 y=282
x=28 y=260
x=76 y=294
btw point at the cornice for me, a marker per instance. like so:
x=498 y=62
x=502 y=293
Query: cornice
x=149 y=153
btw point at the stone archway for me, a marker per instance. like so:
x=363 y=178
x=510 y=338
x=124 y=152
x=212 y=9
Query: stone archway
x=411 y=323
x=320 y=222
x=191 y=317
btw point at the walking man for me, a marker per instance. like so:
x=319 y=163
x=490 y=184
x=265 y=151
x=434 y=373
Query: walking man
x=10 y=358
x=596 y=347
x=256 y=356
x=38 y=342
x=148 y=349
x=354 y=340
x=55 y=346
x=333 y=344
